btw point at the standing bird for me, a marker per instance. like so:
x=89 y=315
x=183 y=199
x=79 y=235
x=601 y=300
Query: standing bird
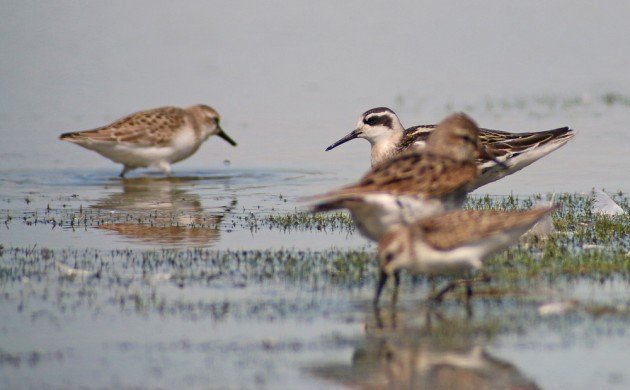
x=152 y=138
x=382 y=128
x=452 y=243
x=413 y=185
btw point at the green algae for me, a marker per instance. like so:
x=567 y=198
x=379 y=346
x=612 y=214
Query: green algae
x=585 y=246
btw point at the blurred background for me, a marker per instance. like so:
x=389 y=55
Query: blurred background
x=290 y=78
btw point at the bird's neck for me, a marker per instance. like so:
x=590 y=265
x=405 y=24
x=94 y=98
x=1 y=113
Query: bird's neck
x=384 y=148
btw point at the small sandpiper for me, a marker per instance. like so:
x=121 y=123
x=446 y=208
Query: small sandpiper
x=152 y=138
x=413 y=185
x=382 y=128
x=456 y=242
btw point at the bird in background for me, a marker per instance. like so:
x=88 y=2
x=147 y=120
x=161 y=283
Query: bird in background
x=413 y=185
x=388 y=138
x=152 y=138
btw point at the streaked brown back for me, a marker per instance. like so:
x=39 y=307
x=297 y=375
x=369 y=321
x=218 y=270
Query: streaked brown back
x=456 y=228
x=415 y=174
x=149 y=128
x=497 y=142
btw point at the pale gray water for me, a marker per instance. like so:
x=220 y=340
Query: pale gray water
x=289 y=78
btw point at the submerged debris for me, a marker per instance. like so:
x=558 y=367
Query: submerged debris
x=603 y=204
x=557 y=308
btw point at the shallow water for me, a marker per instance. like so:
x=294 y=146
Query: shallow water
x=203 y=299
x=154 y=282
x=202 y=209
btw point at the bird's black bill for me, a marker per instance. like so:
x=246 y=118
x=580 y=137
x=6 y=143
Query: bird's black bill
x=353 y=134
x=382 y=279
x=485 y=153
x=226 y=137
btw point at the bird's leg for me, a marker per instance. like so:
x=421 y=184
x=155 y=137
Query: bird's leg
x=382 y=279
x=124 y=171
x=440 y=295
x=469 y=310
x=469 y=290
x=396 y=285
x=165 y=167
x=378 y=317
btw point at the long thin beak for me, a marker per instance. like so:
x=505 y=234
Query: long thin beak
x=226 y=137
x=353 y=134
x=382 y=279
x=485 y=153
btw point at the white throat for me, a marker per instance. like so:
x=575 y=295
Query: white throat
x=384 y=146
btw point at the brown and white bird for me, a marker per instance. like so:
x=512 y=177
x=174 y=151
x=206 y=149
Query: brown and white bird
x=152 y=138
x=456 y=243
x=410 y=186
x=382 y=128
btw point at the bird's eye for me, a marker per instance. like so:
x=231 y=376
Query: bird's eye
x=371 y=120
x=469 y=139
x=389 y=257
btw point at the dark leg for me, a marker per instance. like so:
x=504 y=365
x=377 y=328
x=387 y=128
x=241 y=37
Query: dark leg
x=469 y=290
x=469 y=311
x=377 y=317
x=396 y=285
x=382 y=279
x=440 y=295
x=124 y=171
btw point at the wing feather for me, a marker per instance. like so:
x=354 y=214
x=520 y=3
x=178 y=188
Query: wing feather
x=461 y=227
x=154 y=127
x=501 y=144
x=415 y=174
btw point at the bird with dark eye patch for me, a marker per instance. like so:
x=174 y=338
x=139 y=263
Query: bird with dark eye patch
x=371 y=120
x=412 y=185
x=388 y=138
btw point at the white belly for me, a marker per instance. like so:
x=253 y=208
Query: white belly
x=182 y=146
x=464 y=258
x=381 y=213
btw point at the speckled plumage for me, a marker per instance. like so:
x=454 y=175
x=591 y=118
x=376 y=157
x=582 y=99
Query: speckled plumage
x=460 y=227
x=156 y=137
x=455 y=242
x=502 y=144
x=415 y=174
x=382 y=128
x=412 y=185
x=148 y=128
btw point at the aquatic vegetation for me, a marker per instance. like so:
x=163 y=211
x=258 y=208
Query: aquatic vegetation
x=232 y=290
x=586 y=246
x=301 y=221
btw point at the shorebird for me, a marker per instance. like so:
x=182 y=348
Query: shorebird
x=152 y=138
x=413 y=185
x=382 y=128
x=456 y=242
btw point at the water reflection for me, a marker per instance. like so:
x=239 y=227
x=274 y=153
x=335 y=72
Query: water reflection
x=426 y=350
x=163 y=211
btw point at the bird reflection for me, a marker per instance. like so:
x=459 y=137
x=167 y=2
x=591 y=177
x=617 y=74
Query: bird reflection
x=162 y=211
x=438 y=354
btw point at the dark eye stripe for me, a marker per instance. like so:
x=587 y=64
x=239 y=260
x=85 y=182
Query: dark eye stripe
x=376 y=120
